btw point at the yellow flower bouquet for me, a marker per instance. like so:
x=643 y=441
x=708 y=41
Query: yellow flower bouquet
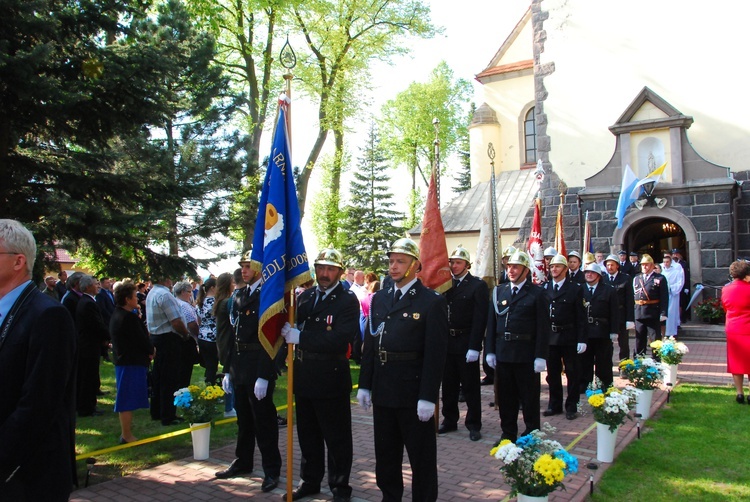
x=199 y=403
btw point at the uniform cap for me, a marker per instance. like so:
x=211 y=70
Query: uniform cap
x=520 y=258
x=559 y=259
x=460 y=253
x=622 y=251
x=633 y=253
x=593 y=267
x=550 y=251
x=646 y=258
x=588 y=258
x=330 y=256
x=612 y=258
x=574 y=253
x=404 y=246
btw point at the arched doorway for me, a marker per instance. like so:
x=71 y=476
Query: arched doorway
x=655 y=236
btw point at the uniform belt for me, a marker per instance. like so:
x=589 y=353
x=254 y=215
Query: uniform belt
x=387 y=357
x=557 y=328
x=318 y=356
x=596 y=320
x=646 y=302
x=512 y=337
x=247 y=347
x=459 y=332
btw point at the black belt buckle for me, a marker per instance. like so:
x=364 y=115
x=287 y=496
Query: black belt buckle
x=383 y=356
x=591 y=320
x=555 y=329
x=506 y=336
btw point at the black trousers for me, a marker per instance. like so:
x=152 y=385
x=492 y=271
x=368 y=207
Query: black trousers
x=166 y=376
x=517 y=383
x=256 y=423
x=559 y=355
x=321 y=424
x=645 y=329
x=597 y=360
x=209 y=359
x=623 y=341
x=396 y=428
x=87 y=383
x=459 y=374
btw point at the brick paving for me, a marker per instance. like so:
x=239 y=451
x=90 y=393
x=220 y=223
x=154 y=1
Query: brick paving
x=466 y=470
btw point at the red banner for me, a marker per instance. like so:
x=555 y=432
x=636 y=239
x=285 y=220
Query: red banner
x=534 y=246
x=559 y=233
x=433 y=252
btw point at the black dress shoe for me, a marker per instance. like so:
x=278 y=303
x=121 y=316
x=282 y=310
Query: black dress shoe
x=475 y=435
x=269 y=483
x=235 y=469
x=550 y=412
x=740 y=399
x=303 y=491
x=571 y=415
x=444 y=429
x=486 y=381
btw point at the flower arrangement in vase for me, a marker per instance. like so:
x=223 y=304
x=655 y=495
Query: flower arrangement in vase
x=611 y=406
x=534 y=465
x=710 y=309
x=643 y=372
x=199 y=403
x=669 y=350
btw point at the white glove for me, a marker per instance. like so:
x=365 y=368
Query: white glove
x=491 y=360
x=363 y=397
x=686 y=291
x=662 y=318
x=226 y=384
x=540 y=365
x=291 y=335
x=472 y=356
x=629 y=325
x=581 y=348
x=425 y=410
x=261 y=387
x=613 y=336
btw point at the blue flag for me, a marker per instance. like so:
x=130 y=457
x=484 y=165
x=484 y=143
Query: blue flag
x=627 y=197
x=278 y=250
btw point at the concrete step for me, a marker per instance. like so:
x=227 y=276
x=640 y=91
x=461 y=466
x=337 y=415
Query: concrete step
x=700 y=331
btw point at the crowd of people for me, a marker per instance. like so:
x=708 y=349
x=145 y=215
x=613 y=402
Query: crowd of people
x=411 y=341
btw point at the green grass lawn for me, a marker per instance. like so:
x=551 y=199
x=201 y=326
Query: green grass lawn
x=99 y=433
x=696 y=450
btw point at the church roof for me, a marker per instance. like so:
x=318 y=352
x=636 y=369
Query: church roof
x=514 y=192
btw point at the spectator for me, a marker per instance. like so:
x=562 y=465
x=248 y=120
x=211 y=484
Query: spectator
x=92 y=333
x=60 y=287
x=735 y=298
x=183 y=291
x=207 y=332
x=49 y=288
x=72 y=295
x=132 y=351
x=168 y=332
x=37 y=369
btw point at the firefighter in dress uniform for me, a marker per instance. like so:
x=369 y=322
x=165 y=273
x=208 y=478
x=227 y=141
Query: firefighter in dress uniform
x=566 y=340
x=602 y=319
x=402 y=366
x=623 y=284
x=517 y=345
x=327 y=318
x=467 y=318
x=651 y=298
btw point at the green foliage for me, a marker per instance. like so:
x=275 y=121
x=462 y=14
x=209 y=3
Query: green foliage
x=415 y=209
x=694 y=452
x=325 y=208
x=369 y=224
x=407 y=123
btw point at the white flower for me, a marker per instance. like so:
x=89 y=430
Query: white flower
x=508 y=453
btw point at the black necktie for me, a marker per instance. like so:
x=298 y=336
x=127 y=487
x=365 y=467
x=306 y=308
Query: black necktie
x=557 y=288
x=319 y=298
x=456 y=282
x=397 y=297
x=612 y=278
x=515 y=291
x=591 y=290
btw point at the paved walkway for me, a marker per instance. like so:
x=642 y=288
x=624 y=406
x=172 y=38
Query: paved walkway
x=466 y=471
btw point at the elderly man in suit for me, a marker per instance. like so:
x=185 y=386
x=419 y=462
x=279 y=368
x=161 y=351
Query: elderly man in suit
x=517 y=345
x=402 y=366
x=327 y=319
x=37 y=369
x=92 y=334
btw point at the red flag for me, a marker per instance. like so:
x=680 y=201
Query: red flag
x=433 y=252
x=559 y=233
x=534 y=246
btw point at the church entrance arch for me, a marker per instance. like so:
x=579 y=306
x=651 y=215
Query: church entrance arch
x=653 y=231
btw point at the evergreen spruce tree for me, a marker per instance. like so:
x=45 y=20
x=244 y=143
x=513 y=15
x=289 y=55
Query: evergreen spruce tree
x=370 y=224
x=463 y=178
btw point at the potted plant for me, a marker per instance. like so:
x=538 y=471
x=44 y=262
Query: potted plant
x=710 y=310
x=610 y=408
x=644 y=374
x=534 y=466
x=199 y=405
x=671 y=352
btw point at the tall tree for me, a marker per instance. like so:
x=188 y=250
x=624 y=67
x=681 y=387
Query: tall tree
x=370 y=224
x=463 y=177
x=407 y=123
x=344 y=37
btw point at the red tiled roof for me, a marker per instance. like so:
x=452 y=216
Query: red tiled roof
x=506 y=68
x=62 y=256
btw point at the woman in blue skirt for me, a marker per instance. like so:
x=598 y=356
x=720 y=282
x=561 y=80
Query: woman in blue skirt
x=133 y=351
